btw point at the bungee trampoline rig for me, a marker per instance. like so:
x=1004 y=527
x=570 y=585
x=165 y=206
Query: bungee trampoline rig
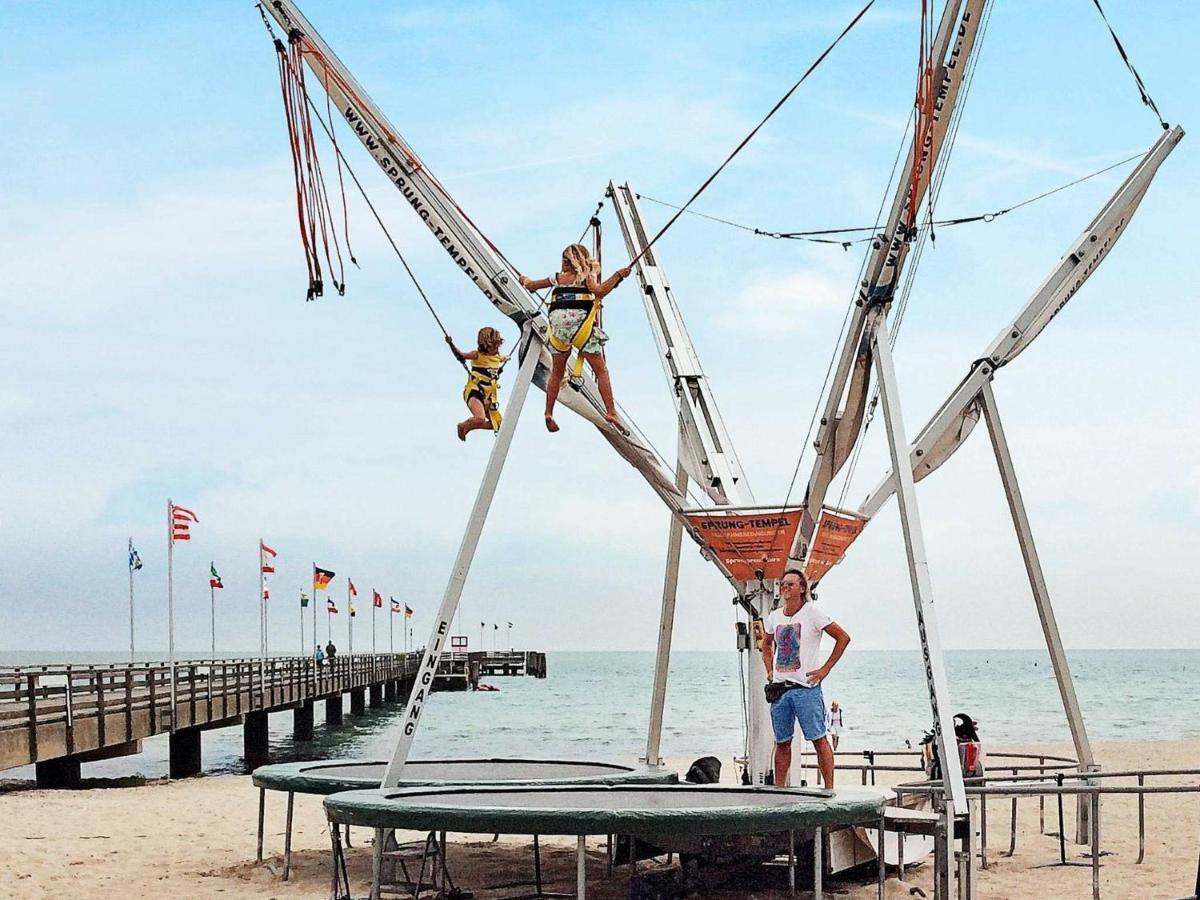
x=706 y=491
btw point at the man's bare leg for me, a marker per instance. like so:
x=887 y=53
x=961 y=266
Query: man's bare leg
x=824 y=760
x=783 y=762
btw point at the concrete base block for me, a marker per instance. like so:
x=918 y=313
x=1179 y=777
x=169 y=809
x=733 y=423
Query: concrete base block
x=58 y=773
x=333 y=711
x=185 y=752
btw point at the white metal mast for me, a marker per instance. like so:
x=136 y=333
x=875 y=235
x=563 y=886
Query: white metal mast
x=866 y=342
x=957 y=416
x=706 y=455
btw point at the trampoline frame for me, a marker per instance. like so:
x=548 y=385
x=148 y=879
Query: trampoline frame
x=273 y=781
x=606 y=822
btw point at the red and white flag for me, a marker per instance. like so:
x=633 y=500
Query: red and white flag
x=376 y=599
x=267 y=558
x=353 y=589
x=181 y=520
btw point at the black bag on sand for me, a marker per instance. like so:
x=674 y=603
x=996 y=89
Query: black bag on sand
x=705 y=770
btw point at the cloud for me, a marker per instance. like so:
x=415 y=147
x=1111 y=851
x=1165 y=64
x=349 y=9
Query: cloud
x=792 y=302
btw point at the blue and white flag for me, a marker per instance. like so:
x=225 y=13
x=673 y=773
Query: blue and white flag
x=135 y=561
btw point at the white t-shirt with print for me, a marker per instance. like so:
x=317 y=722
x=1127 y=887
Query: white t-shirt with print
x=797 y=641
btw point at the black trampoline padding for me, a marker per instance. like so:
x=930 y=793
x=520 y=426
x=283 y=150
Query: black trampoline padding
x=336 y=775
x=641 y=809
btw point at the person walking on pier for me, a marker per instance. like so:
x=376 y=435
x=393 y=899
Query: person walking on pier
x=319 y=656
x=833 y=723
x=791 y=648
x=330 y=652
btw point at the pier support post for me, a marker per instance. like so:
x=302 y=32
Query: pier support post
x=375 y=695
x=58 y=773
x=389 y=691
x=302 y=722
x=184 y=748
x=255 y=747
x=333 y=710
x=357 y=702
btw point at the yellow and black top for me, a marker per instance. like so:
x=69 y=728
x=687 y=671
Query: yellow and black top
x=483 y=381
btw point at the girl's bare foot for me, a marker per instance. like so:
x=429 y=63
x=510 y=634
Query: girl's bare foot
x=551 y=425
x=616 y=423
x=462 y=431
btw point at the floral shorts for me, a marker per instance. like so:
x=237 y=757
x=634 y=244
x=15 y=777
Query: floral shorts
x=565 y=323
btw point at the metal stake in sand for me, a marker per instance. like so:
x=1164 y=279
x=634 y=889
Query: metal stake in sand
x=462 y=565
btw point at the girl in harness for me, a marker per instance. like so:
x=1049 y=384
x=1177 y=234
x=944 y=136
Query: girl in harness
x=574 y=314
x=483 y=379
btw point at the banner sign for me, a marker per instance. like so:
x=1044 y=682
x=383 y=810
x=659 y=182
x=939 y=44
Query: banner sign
x=835 y=534
x=748 y=543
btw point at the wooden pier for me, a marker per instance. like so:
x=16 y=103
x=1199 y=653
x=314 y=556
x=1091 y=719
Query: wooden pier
x=58 y=717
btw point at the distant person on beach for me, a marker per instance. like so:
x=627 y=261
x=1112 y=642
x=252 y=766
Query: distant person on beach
x=791 y=649
x=483 y=381
x=330 y=652
x=833 y=723
x=575 y=298
x=319 y=656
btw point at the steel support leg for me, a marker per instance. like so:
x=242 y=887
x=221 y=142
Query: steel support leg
x=818 y=864
x=262 y=809
x=462 y=565
x=1041 y=597
x=377 y=864
x=581 y=867
x=287 y=838
x=918 y=571
x=666 y=623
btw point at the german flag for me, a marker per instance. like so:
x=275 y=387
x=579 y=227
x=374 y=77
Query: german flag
x=321 y=578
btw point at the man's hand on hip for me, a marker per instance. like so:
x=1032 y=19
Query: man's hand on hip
x=816 y=676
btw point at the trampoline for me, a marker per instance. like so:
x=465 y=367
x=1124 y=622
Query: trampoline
x=334 y=776
x=639 y=810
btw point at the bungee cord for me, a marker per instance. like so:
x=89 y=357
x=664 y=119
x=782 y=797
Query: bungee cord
x=746 y=140
x=1137 y=79
x=816 y=235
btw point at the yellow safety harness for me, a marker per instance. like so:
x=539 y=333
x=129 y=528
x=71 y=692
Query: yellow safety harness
x=580 y=298
x=483 y=380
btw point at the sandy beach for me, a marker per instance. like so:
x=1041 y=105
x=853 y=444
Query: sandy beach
x=195 y=838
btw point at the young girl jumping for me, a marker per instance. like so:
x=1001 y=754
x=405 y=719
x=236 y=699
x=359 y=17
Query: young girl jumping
x=575 y=303
x=483 y=379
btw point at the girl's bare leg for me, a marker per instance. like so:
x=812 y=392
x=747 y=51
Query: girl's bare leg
x=553 y=385
x=604 y=383
x=479 y=419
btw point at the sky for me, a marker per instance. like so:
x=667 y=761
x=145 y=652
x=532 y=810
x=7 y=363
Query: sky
x=158 y=342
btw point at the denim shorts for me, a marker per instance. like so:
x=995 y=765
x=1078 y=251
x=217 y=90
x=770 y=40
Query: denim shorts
x=805 y=705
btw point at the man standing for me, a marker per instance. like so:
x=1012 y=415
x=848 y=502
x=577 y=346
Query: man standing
x=791 y=650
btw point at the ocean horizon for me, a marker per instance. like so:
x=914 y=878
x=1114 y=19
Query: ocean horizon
x=595 y=705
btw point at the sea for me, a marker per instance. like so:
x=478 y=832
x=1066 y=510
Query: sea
x=595 y=706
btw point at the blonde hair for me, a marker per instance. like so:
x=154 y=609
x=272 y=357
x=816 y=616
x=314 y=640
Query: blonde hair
x=580 y=262
x=489 y=340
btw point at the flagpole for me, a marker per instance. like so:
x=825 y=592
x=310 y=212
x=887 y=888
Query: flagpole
x=391 y=627
x=262 y=621
x=373 y=607
x=314 y=609
x=171 y=604
x=212 y=604
x=131 y=600
x=349 y=618
x=303 y=651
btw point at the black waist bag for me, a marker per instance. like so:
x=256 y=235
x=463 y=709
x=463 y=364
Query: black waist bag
x=776 y=689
